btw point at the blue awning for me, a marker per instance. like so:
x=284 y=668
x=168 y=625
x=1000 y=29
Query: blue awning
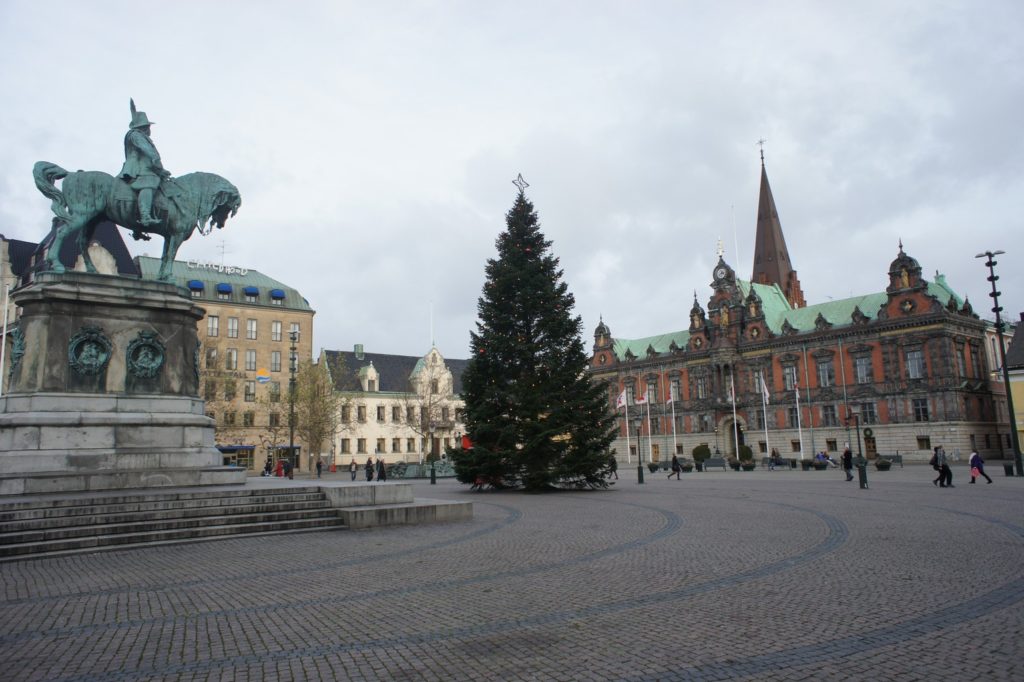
x=252 y=291
x=223 y=288
x=277 y=293
x=195 y=285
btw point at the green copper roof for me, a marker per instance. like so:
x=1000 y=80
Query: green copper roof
x=211 y=275
x=777 y=311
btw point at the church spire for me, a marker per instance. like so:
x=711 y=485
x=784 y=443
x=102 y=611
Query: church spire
x=771 y=258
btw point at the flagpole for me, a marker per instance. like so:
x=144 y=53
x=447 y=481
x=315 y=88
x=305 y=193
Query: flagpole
x=629 y=458
x=3 y=339
x=799 y=428
x=764 y=411
x=675 y=444
x=735 y=426
x=647 y=402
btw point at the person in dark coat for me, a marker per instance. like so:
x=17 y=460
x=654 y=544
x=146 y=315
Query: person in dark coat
x=677 y=468
x=848 y=463
x=319 y=467
x=978 y=467
x=382 y=472
x=369 y=469
x=613 y=467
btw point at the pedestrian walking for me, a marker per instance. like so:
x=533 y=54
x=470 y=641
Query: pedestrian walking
x=268 y=468
x=613 y=467
x=941 y=464
x=978 y=467
x=848 y=463
x=353 y=468
x=382 y=471
x=319 y=467
x=288 y=469
x=677 y=468
x=369 y=469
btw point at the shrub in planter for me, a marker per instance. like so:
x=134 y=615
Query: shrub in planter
x=883 y=464
x=652 y=467
x=687 y=467
x=734 y=464
x=746 y=454
x=806 y=464
x=819 y=466
x=748 y=464
x=701 y=453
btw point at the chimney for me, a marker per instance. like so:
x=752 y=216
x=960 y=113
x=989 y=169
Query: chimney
x=359 y=351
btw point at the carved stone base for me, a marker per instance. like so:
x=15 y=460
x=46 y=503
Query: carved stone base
x=103 y=392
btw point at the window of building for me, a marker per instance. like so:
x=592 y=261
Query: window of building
x=276 y=301
x=762 y=447
x=250 y=360
x=920 y=409
x=759 y=418
x=210 y=393
x=211 y=358
x=630 y=394
x=346 y=446
x=961 y=360
x=250 y=329
x=275 y=361
x=346 y=413
x=250 y=391
x=212 y=325
x=410 y=445
x=229 y=389
x=434 y=388
x=232 y=327
x=789 y=376
x=251 y=297
x=197 y=293
x=361 y=413
x=794 y=445
x=975 y=361
x=862 y=368
x=702 y=388
x=410 y=415
x=794 y=415
x=988 y=441
x=396 y=445
x=274 y=419
x=915 y=364
x=274 y=391
x=396 y=414
x=828 y=415
x=652 y=391
x=361 y=445
x=705 y=423
x=293 y=328
x=655 y=426
x=868 y=414
x=381 y=413
x=223 y=296
x=371 y=385
x=248 y=418
x=445 y=413
x=831 y=445
x=275 y=330
x=229 y=419
x=826 y=373
x=231 y=359
x=379 y=448
x=924 y=443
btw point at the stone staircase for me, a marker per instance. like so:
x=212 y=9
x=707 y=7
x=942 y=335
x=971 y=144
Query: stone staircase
x=53 y=525
x=74 y=524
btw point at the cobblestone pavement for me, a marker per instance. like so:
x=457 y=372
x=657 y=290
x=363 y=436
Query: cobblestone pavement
x=763 y=575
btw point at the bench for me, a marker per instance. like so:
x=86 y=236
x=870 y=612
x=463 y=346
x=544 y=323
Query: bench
x=715 y=462
x=895 y=459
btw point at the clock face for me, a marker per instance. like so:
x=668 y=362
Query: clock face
x=720 y=273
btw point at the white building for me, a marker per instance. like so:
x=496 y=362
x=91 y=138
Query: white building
x=402 y=408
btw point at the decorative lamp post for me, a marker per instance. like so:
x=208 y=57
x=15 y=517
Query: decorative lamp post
x=996 y=308
x=433 y=472
x=638 y=422
x=718 y=453
x=859 y=462
x=293 y=335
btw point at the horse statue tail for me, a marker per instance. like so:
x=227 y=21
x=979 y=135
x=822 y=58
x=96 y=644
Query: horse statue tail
x=46 y=175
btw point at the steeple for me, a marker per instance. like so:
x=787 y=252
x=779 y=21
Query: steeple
x=771 y=258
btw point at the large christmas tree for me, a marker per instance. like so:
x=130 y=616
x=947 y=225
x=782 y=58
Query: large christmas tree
x=533 y=414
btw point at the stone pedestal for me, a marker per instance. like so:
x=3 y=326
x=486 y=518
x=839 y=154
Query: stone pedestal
x=104 y=390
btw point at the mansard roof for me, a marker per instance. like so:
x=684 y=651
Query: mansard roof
x=393 y=371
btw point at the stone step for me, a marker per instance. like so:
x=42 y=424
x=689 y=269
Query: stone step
x=157 y=509
x=418 y=511
x=107 y=498
x=52 y=528
x=121 y=540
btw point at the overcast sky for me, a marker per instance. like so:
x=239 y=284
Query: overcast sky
x=375 y=144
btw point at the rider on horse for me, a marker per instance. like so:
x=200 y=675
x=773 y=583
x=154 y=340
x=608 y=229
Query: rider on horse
x=142 y=169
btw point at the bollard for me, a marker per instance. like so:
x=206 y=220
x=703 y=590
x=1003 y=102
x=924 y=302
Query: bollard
x=639 y=473
x=433 y=474
x=862 y=473
x=1008 y=468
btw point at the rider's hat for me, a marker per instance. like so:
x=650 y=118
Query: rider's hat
x=139 y=119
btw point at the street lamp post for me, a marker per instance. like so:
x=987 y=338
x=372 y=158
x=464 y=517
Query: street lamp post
x=996 y=308
x=293 y=335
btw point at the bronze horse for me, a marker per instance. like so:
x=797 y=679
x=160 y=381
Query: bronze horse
x=87 y=197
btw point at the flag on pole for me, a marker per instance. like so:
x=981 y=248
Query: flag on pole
x=764 y=389
x=621 y=402
x=640 y=400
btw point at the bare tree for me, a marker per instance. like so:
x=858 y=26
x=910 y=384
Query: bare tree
x=429 y=403
x=219 y=381
x=316 y=407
